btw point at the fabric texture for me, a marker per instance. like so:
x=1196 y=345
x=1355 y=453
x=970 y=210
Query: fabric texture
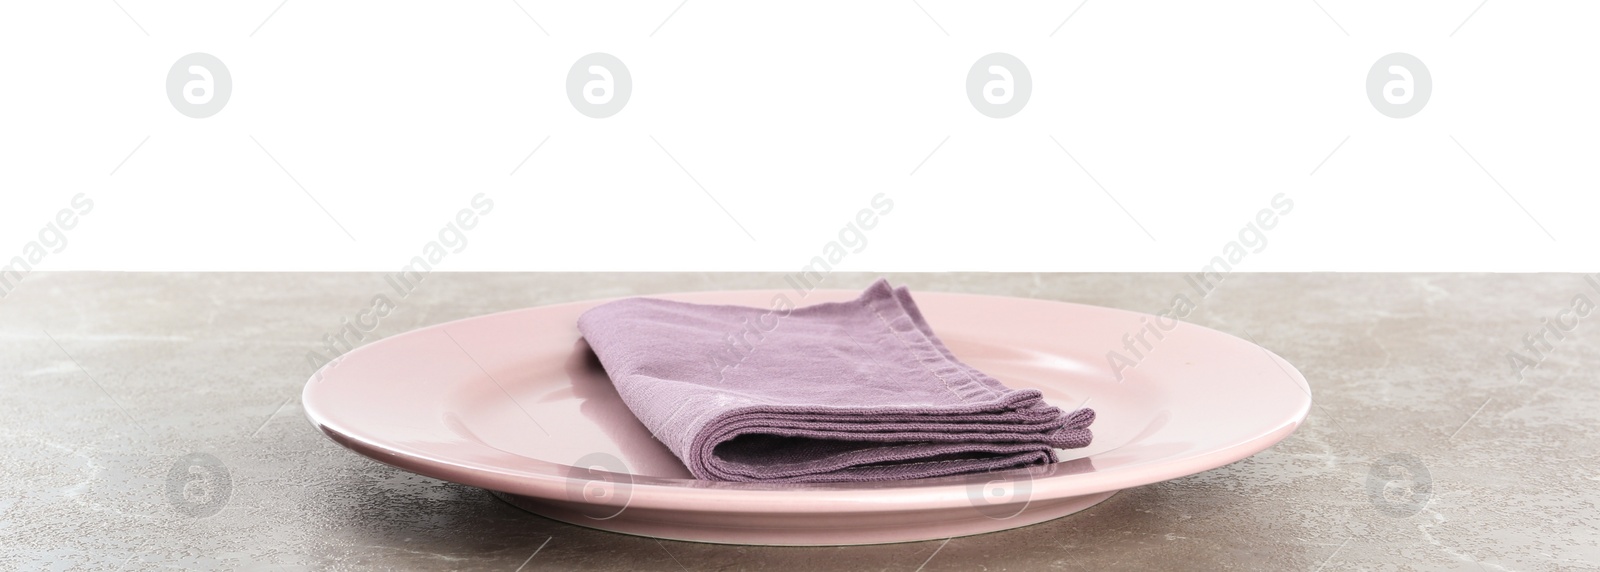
x=838 y=392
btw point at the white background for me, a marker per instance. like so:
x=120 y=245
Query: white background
x=792 y=116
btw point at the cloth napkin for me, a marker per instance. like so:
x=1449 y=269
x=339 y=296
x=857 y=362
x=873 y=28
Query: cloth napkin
x=836 y=392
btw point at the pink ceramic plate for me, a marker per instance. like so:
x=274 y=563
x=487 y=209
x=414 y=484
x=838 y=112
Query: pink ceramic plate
x=514 y=403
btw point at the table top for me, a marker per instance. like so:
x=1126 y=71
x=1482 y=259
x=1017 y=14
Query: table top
x=152 y=420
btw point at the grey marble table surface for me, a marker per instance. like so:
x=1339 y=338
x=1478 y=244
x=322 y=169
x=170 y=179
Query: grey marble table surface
x=1425 y=450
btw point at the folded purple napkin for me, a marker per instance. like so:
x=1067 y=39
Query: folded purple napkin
x=847 y=391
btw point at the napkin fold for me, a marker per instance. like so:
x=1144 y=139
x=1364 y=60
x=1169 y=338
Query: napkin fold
x=837 y=392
